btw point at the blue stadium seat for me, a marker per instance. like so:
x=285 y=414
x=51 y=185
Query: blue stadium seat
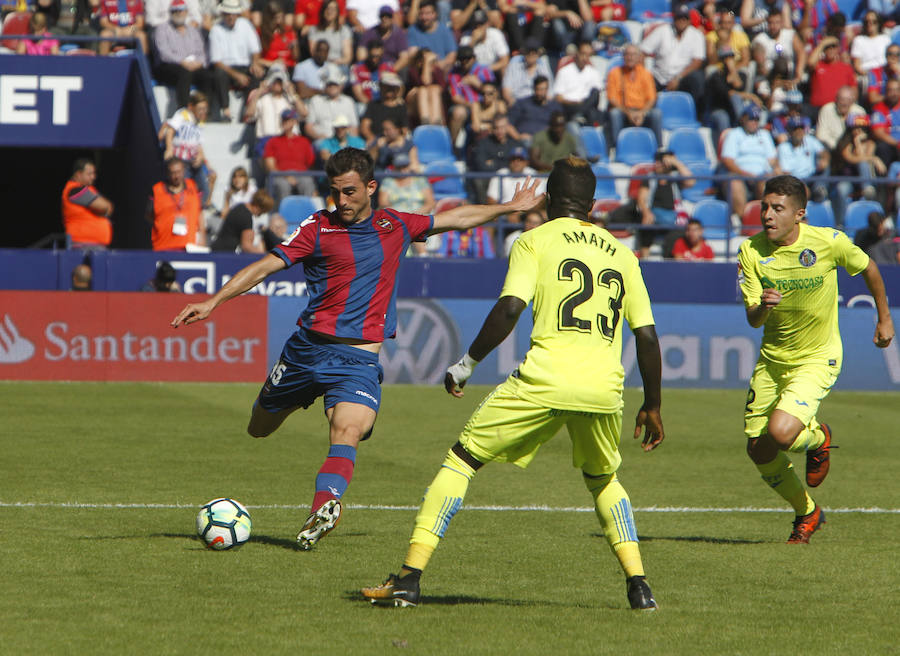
x=688 y=146
x=433 y=143
x=445 y=179
x=645 y=10
x=697 y=192
x=678 y=110
x=820 y=214
x=606 y=187
x=594 y=143
x=295 y=209
x=635 y=146
x=715 y=216
x=857 y=215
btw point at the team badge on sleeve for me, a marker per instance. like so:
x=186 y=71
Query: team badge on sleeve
x=808 y=257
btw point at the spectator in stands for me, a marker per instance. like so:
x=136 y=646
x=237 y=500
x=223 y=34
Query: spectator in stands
x=889 y=10
x=42 y=44
x=407 y=193
x=523 y=19
x=158 y=12
x=878 y=77
x=531 y=220
x=182 y=137
x=829 y=74
x=85 y=212
x=489 y=43
x=240 y=189
x=366 y=75
x=552 y=143
x=886 y=124
x=325 y=106
x=475 y=242
x=502 y=188
x=276 y=232
x=793 y=108
x=578 y=86
x=879 y=241
x=780 y=41
x=258 y=9
x=519 y=77
x=306 y=16
x=277 y=39
x=390 y=107
x=340 y=139
x=182 y=58
x=755 y=12
x=692 y=247
x=234 y=50
x=868 y=49
x=465 y=81
x=393 y=142
x=730 y=37
x=726 y=94
x=803 y=156
x=121 y=19
x=461 y=13
x=268 y=102
x=427 y=83
x=571 y=21
x=428 y=33
x=163 y=281
x=748 y=152
x=489 y=106
x=290 y=152
x=310 y=74
x=362 y=15
x=855 y=155
x=678 y=52
x=82 y=277
x=492 y=153
x=632 y=96
x=832 y=122
x=175 y=211
x=390 y=36
x=531 y=114
x=339 y=36
x=237 y=234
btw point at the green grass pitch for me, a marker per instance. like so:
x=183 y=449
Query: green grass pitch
x=99 y=486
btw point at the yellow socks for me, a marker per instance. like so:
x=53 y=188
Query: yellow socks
x=809 y=438
x=780 y=476
x=613 y=509
x=442 y=499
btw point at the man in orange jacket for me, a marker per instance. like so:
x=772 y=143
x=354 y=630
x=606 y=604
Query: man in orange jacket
x=176 y=211
x=84 y=211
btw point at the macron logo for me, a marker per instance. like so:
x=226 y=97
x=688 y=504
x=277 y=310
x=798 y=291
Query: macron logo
x=13 y=347
x=367 y=395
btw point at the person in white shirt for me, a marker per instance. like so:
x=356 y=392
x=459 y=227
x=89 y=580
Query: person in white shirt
x=324 y=107
x=488 y=42
x=782 y=42
x=678 y=52
x=502 y=188
x=578 y=86
x=234 y=49
x=868 y=49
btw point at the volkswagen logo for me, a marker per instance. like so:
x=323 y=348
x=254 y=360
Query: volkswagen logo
x=427 y=342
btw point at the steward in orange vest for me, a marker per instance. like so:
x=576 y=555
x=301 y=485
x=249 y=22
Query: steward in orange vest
x=84 y=210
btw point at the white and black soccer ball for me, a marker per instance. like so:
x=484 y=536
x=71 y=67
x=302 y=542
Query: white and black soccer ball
x=223 y=524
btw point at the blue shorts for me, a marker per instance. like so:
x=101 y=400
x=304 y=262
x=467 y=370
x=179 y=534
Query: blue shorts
x=311 y=366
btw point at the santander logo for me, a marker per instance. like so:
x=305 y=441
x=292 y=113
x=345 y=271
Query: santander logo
x=13 y=347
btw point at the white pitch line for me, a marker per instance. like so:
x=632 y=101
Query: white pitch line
x=650 y=509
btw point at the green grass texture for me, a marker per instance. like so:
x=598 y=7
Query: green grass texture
x=100 y=484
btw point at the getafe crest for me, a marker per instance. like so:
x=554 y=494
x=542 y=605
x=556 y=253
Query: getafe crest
x=807 y=257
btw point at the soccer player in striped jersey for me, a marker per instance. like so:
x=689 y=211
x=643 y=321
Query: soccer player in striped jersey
x=582 y=283
x=788 y=279
x=350 y=260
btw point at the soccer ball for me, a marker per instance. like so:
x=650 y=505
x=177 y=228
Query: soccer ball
x=223 y=524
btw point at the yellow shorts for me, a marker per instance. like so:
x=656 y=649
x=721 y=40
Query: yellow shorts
x=508 y=428
x=794 y=389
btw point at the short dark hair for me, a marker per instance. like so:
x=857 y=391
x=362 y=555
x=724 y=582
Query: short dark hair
x=81 y=163
x=787 y=185
x=693 y=221
x=538 y=79
x=351 y=159
x=571 y=184
x=875 y=219
x=173 y=160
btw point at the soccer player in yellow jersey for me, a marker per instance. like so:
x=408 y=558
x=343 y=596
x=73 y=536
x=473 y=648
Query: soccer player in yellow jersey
x=583 y=285
x=788 y=280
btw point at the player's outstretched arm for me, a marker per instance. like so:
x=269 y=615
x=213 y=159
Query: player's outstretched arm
x=244 y=280
x=649 y=360
x=884 y=329
x=469 y=216
x=499 y=323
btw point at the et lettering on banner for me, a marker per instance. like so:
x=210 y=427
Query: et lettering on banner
x=19 y=97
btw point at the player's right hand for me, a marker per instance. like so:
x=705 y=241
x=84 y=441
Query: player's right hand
x=193 y=312
x=654 y=434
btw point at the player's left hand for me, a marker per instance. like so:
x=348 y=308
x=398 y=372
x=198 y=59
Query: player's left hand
x=652 y=421
x=884 y=333
x=458 y=374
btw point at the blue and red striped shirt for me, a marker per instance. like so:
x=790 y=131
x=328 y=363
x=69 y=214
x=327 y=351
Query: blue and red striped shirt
x=460 y=89
x=351 y=270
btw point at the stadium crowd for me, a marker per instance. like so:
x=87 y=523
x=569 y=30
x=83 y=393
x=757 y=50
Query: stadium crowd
x=506 y=87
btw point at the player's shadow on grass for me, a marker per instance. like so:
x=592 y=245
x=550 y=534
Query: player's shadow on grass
x=461 y=600
x=285 y=543
x=697 y=538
